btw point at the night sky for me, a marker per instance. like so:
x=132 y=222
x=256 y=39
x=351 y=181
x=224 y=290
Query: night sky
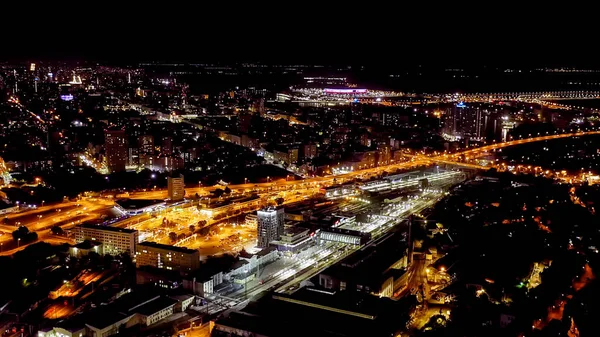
x=384 y=36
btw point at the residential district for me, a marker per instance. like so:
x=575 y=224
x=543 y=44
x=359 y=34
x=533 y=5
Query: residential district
x=294 y=200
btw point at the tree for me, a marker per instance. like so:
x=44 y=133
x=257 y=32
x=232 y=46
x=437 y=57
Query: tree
x=173 y=236
x=20 y=233
x=204 y=231
x=201 y=223
x=227 y=190
x=57 y=230
x=218 y=192
x=279 y=201
x=31 y=236
x=181 y=236
x=192 y=228
x=108 y=260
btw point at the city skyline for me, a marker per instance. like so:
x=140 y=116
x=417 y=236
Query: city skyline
x=395 y=175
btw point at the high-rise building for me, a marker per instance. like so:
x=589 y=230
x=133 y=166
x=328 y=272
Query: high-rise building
x=133 y=158
x=115 y=144
x=167 y=146
x=384 y=152
x=176 y=188
x=270 y=225
x=310 y=151
x=167 y=257
x=114 y=240
x=146 y=144
x=465 y=122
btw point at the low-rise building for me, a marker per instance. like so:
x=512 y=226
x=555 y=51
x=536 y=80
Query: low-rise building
x=134 y=309
x=254 y=261
x=114 y=240
x=293 y=240
x=168 y=257
x=374 y=269
x=138 y=206
x=251 y=220
x=204 y=281
x=155 y=310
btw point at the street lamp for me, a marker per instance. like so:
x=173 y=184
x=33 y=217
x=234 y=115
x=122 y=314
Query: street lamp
x=18 y=242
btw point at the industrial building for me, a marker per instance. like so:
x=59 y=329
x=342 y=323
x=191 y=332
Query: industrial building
x=373 y=269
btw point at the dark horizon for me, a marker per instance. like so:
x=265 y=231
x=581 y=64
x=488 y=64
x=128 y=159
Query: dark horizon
x=331 y=35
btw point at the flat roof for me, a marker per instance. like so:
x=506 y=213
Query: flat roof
x=104 y=317
x=167 y=247
x=155 y=306
x=108 y=228
x=137 y=203
x=295 y=230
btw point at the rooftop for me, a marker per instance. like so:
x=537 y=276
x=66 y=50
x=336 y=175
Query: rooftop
x=155 y=306
x=103 y=317
x=269 y=209
x=137 y=203
x=331 y=314
x=183 y=250
x=295 y=230
x=107 y=228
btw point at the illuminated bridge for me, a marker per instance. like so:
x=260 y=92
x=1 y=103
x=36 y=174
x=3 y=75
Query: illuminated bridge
x=538 y=95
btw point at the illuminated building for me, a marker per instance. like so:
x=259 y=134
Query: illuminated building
x=146 y=144
x=384 y=154
x=114 y=240
x=309 y=151
x=293 y=240
x=270 y=225
x=115 y=144
x=167 y=257
x=76 y=80
x=465 y=122
x=176 y=188
x=167 y=146
x=344 y=91
x=286 y=155
x=251 y=220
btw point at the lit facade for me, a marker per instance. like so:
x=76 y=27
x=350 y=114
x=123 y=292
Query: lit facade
x=117 y=151
x=270 y=225
x=114 y=240
x=176 y=188
x=167 y=257
x=464 y=122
